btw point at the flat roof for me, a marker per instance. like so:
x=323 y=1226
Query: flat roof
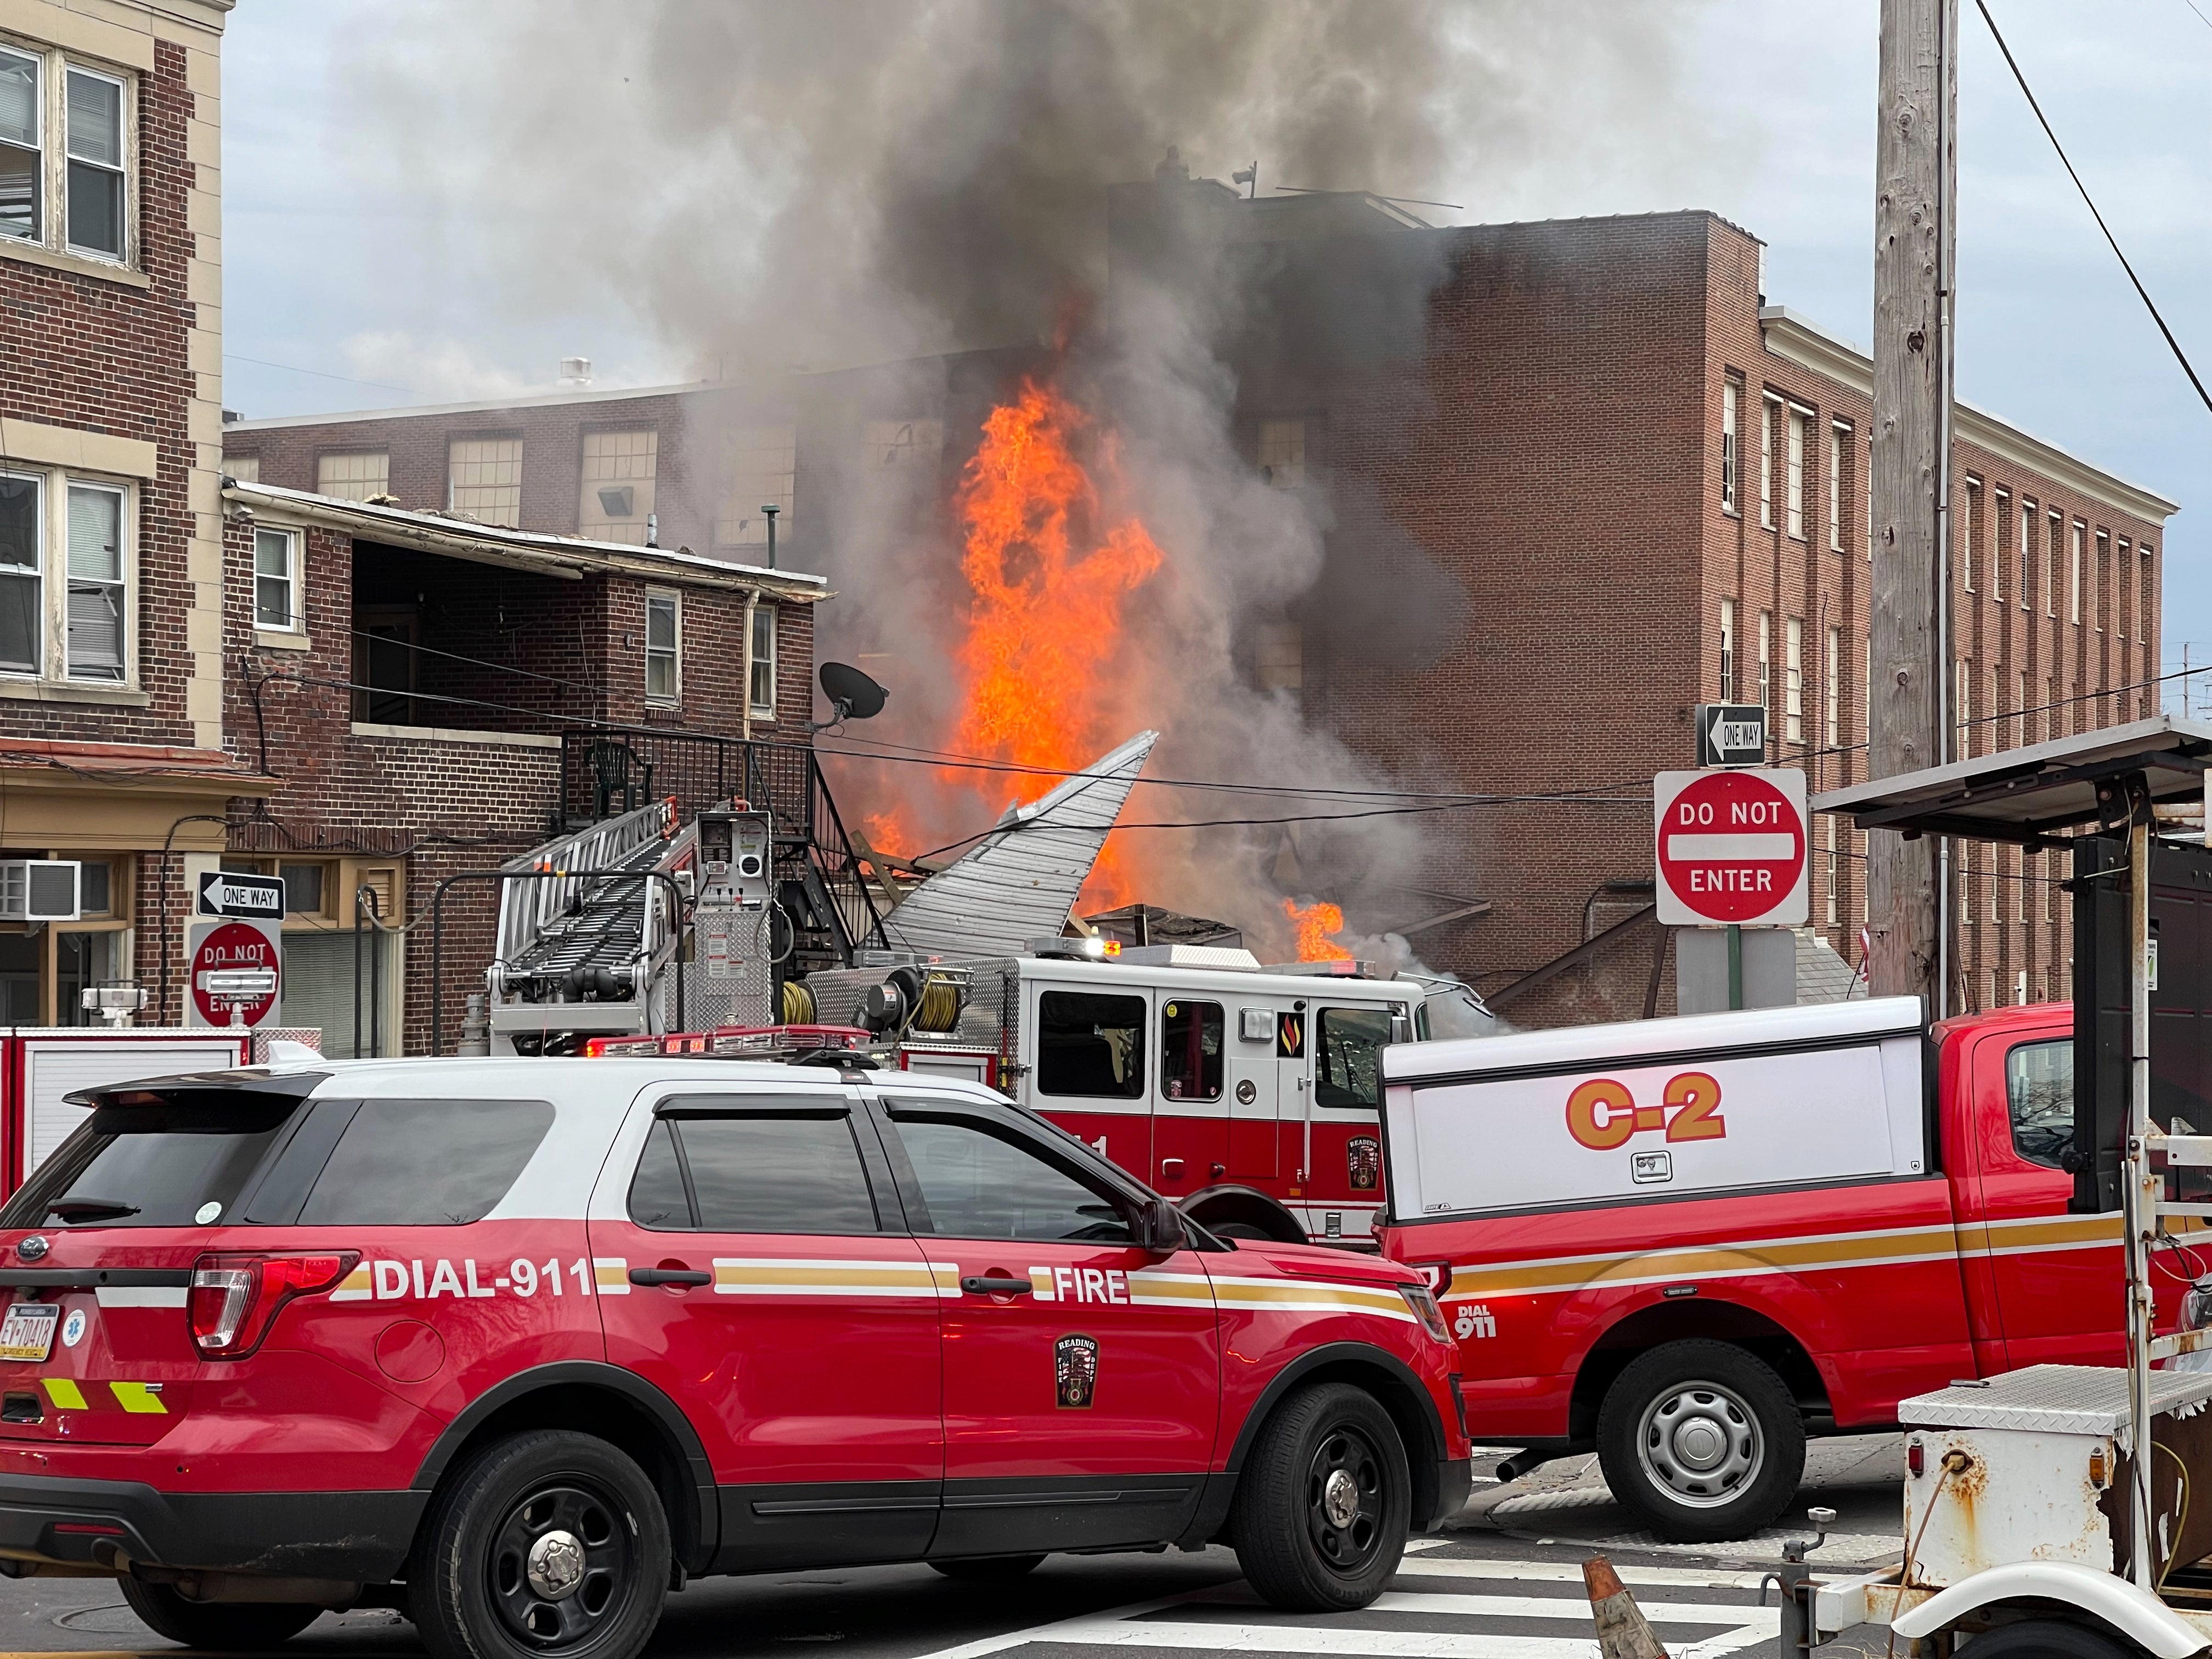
x=2028 y=795
x=527 y=550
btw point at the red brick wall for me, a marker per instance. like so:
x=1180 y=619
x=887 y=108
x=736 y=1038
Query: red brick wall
x=77 y=350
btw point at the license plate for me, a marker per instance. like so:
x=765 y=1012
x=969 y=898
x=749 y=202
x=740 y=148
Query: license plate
x=27 y=1333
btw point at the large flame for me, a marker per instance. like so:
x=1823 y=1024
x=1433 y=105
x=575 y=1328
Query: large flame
x=1315 y=923
x=1045 y=631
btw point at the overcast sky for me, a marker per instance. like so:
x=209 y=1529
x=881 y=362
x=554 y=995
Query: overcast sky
x=341 y=259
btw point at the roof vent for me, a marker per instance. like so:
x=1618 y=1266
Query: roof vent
x=575 y=373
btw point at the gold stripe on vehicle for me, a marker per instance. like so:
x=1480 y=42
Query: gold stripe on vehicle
x=356 y=1286
x=1168 y=1290
x=610 y=1274
x=1304 y=1296
x=1832 y=1251
x=753 y=1276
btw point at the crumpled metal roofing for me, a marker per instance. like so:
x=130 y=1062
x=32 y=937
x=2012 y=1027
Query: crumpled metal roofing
x=1019 y=882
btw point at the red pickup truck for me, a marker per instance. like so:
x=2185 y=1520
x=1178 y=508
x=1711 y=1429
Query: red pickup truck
x=1688 y=1245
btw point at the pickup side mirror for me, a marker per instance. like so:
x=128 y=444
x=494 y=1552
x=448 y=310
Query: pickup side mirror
x=1158 y=1228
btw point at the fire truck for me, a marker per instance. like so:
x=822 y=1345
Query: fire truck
x=1246 y=1093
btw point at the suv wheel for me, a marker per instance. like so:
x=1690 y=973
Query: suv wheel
x=1701 y=1439
x=988 y=1569
x=548 y=1543
x=221 y=1626
x=1323 y=1504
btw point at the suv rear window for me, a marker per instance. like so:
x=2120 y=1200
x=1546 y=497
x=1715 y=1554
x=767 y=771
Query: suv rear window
x=161 y=1165
x=421 y=1162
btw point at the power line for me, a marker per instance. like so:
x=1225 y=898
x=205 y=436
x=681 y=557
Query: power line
x=2173 y=344
x=294 y=368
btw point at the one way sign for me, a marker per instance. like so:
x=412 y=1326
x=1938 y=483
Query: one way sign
x=1731 y=734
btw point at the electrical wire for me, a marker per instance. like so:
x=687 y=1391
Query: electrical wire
x=2173 y=344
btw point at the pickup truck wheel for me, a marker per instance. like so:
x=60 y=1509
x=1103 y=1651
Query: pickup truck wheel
x=219 y=1626
x=1701 y=1439
x=988 y=1569
x=551 y=1545
x=1324 y=1502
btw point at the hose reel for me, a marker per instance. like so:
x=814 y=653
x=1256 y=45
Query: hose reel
x=915 y=998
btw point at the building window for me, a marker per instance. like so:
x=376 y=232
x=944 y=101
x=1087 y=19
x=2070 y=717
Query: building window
x=242 y=469
x=2026 y=555
x=95 y=164
x=1768 y=409
x=76 y=625
x=2053 y=529
x=1279 y=656
x=1828 y=843
x=2101 y=601
x=2148 y=594
x=2050 y=709
x=275 y=579
x=1995 y=884
x=95 y=625
x=2073 y=574
x=1832 y=720
x=22 y=164
x=1793 y=680
x=1995 y=712
x=758 y=470
x=1998 y=547
x=22 y=538
x=1728 y=650
x=354 y=478
x=2020 y=708
x=1795 y=494
x=617 y=498
x=905 y=446
x=1765 y=660
x=1965 y=883
x=762 y=692
x=484 y=479
x=1731 y=454
x=1973 y=534
x=2123 y=592
x=1839 y=450
x=1283 y=454
x=664 y=646
x=1964 y=690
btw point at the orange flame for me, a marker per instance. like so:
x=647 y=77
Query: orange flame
x=1315 y=924
x=1045 y=629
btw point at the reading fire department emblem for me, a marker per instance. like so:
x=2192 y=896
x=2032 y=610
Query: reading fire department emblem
x=1363 y=1162
x=1074 y=1371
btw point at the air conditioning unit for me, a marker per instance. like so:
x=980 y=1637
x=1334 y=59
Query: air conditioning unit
x=38 y=890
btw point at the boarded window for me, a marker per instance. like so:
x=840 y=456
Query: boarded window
x=617 y=498
x=354 y=477
x=485 y=479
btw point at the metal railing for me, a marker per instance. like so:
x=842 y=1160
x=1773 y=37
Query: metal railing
x=608 y=770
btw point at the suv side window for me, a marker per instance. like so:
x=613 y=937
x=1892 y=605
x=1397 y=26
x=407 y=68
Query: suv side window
x=753 y=1172
x=2040 y=1095
x=1090 y=1044
x=424 y=1163
x=1347 y=1069
x=975 y=1184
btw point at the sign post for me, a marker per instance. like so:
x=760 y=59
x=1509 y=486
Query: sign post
x=235 y=973
x=1731 y=848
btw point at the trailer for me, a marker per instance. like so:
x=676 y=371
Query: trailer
x=2066 y=1510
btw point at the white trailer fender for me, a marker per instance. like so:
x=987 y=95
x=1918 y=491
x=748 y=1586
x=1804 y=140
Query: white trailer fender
x=2134 y=1614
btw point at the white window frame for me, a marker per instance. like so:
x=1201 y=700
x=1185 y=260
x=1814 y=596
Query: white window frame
x=121 y=256
x=2054 y=531
x=296 y=621
x=121 y=582
x=43 y=209
x=763 y=622
x=1728 y=650
x=2027 y=509
x=1839 y=436
x=1832 y=693
x=1793 y=680
x=1794 y=443
x=1768 y=403
x=671 y=600
x=1766 y=661
x=42 y=485
x=2078 y=535
x=1731 y=448
x=2003 y=514
x=1973 y=524
x=54 y=485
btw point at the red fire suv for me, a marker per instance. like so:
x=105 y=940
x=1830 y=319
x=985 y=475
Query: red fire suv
x=517 y=1346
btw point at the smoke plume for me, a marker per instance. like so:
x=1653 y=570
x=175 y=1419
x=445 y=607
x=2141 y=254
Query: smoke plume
x=776 y=187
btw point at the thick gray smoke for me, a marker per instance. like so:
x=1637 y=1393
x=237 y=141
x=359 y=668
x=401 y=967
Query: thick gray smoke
x=778 y=186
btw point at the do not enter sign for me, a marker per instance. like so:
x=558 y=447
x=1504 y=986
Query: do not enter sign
x=1731 y=848
x=234 y=965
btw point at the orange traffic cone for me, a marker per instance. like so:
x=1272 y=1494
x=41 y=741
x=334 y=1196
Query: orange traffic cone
x=1623 y=1631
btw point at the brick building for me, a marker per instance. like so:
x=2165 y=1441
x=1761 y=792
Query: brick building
x=1579 y=477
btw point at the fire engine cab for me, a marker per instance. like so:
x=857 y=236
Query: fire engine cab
x=1248 y=1094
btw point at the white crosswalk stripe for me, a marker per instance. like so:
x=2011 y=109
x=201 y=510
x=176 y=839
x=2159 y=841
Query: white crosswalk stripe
x=1421 y=1618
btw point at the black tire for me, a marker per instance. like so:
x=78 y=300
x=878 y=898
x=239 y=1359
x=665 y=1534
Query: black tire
x=516 y=1521
x=218 y=1627
x=2049 y=1638
x=1328 y=1452
x=989 y=1569
x=1702 y=1440
x=1239 y=1230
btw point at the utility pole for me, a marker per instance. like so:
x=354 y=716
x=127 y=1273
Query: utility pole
x=1916 y=182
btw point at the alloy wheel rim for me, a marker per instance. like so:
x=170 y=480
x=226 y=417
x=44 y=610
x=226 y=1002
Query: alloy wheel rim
x=562 y=1566
x=1345 y=1499
x=1700 y=1444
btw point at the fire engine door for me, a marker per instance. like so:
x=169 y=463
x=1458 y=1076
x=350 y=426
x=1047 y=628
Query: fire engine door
x=1255 y=1095
x=1195 y=1086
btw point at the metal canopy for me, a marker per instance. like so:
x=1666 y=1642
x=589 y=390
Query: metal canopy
x=2028 y=795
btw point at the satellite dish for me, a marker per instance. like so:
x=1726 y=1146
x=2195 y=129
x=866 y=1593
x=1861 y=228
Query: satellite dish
x=853 y=694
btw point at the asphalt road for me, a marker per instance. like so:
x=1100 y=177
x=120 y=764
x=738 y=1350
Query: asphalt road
x=1502 y=1582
